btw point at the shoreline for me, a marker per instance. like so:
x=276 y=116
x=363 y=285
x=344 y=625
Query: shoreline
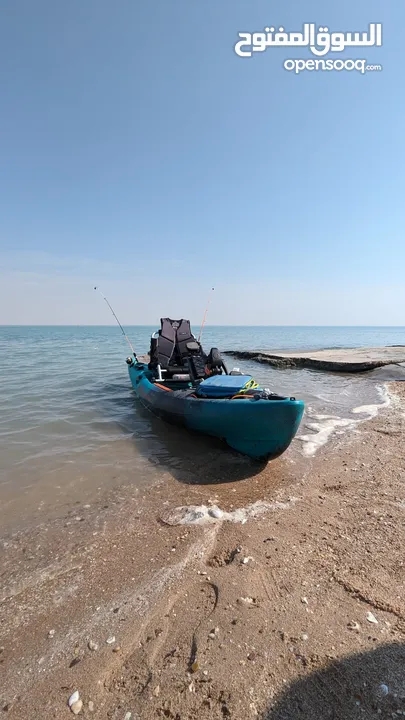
x=286 y=589
x=326 y=433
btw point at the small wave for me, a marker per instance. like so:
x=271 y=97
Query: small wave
x=373 y=409
x=205 y=515
x=331 y=424
x=322 y=433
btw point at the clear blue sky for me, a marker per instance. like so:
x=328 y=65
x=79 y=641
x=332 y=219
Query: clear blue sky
x=140 y=153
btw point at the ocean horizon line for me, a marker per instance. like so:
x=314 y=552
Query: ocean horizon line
x=148 y=325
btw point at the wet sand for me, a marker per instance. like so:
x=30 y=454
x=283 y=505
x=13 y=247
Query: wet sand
x=345 y=360
x=298 y=611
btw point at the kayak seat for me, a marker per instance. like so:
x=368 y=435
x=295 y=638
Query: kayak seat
x=162 y=345
x=184 y=337
x=197 y=365
x=175 y=350
x=172 y=344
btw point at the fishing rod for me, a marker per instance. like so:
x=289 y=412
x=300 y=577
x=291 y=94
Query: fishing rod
x=205 y=314
x=122 y=329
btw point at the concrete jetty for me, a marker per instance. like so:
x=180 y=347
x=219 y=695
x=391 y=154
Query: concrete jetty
x=343 y=360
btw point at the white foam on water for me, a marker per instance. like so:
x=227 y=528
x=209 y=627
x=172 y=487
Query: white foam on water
x=373 y=410
x=369 y=410
x=204 y=515
x=324 y=417
x=322 y=432
x=332 y=424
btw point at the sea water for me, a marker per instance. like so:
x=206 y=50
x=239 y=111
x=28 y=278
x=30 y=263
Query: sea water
x=68 y=413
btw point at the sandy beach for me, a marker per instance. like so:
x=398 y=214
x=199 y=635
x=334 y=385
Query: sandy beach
x=293 y=607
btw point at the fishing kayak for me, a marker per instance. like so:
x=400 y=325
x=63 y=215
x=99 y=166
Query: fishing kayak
x=254 y=422
x=185 y=386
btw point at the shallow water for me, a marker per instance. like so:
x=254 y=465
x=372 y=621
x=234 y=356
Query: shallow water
x=69 y=421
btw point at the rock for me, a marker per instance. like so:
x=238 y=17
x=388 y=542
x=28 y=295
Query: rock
x=304 y=637
x=214 y=632
x=92 y=645
x=370 y=617
x=304 y=600
x=128 y=716
x=73 y=698
x=246 y=559
x=156 y=691
x=91 y=706
x=76 y=708
x=215 y=512
x=195 y=666
x=246 y=601
x=110 y=640
x=353 y=625
x=338 y=360
x=117 y=649
x=382 y=690
x=74 y=662
x=51 y=633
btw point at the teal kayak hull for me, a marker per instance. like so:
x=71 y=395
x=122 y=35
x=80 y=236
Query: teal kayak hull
x=261 y=429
